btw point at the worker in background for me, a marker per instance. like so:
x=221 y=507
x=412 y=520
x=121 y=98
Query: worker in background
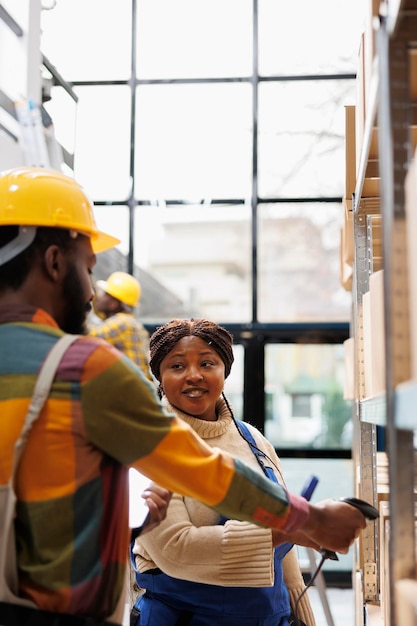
x=115 y=301
x=101 y=417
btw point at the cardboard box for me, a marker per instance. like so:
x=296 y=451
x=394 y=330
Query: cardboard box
x=349 y=392
x=366 y=66
x=373 y=146
x=367 y=344
x=346 y=271
x=350 y=151
x=406 y=602
x=360 y=103
x=384 y=571
x=370 y=188
x=374 y=336
x=348 y=238
x=375 y=224
x=377 y=332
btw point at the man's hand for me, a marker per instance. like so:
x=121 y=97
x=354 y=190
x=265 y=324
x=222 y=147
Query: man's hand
x=297 y=537
x=333 y=525
x=157 y=499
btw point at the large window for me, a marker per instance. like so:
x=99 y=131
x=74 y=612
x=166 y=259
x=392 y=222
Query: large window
x=210 y=135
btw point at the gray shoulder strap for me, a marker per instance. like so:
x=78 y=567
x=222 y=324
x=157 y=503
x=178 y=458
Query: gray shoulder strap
x=42 y=387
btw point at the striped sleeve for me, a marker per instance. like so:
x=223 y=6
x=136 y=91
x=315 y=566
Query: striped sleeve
x=128 y=422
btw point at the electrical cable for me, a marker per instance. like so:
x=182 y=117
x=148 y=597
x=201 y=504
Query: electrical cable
x=324 y=556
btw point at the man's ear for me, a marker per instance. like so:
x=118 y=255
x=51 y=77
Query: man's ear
x=114 y=305
x=53 y=262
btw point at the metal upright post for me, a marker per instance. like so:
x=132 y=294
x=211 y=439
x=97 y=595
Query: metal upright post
x=393 y=141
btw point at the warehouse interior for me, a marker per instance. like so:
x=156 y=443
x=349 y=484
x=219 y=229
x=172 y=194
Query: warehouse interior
x=256 y=160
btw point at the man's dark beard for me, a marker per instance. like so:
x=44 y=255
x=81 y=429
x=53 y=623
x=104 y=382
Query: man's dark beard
x=75 y=315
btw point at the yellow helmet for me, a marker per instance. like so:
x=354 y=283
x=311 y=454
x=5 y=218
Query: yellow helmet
x=35 y=196
x=123 y=287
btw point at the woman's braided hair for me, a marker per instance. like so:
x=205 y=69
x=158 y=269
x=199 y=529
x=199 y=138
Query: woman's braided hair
x=165 y=337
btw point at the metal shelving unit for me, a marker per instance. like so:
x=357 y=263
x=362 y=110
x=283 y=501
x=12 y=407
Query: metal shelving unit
x=391 y=111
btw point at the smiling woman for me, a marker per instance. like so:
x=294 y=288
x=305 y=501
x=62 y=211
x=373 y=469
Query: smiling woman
x=183 y=566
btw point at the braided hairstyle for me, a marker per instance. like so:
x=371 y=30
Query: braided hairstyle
x=165 y=337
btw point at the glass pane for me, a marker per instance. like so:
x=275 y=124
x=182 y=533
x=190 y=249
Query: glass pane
x=195 y=38
x=299 y=264
x=302 y=138
x=193 y=141
x=103 y=141
x=233 y=386
x=304 y=397
x=88 y=39
x=115 y=221
x=63 y=110
x=197 y=259
x=307 y=37
x=336 y=481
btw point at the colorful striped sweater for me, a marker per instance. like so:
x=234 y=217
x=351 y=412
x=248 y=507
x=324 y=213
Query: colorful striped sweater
x=101 y=417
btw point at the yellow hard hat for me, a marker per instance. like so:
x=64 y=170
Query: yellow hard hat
x=123 y=287
x=35 y=196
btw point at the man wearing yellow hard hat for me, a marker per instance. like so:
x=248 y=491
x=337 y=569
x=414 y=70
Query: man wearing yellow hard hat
x=115 y=301
x=68 y=534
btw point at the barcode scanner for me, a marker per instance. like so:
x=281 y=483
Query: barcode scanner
x=367 y=510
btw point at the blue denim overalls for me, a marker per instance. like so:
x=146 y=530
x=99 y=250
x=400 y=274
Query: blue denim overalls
x=170 y=601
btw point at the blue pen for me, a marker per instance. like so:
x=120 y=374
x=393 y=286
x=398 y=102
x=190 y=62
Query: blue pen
x=309 y=487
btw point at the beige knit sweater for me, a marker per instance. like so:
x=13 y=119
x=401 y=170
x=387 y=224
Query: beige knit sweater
x=189 y=543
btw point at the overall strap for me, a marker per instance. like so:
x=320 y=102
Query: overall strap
x=279 y=551
x=41 y=391
x=260 y=456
